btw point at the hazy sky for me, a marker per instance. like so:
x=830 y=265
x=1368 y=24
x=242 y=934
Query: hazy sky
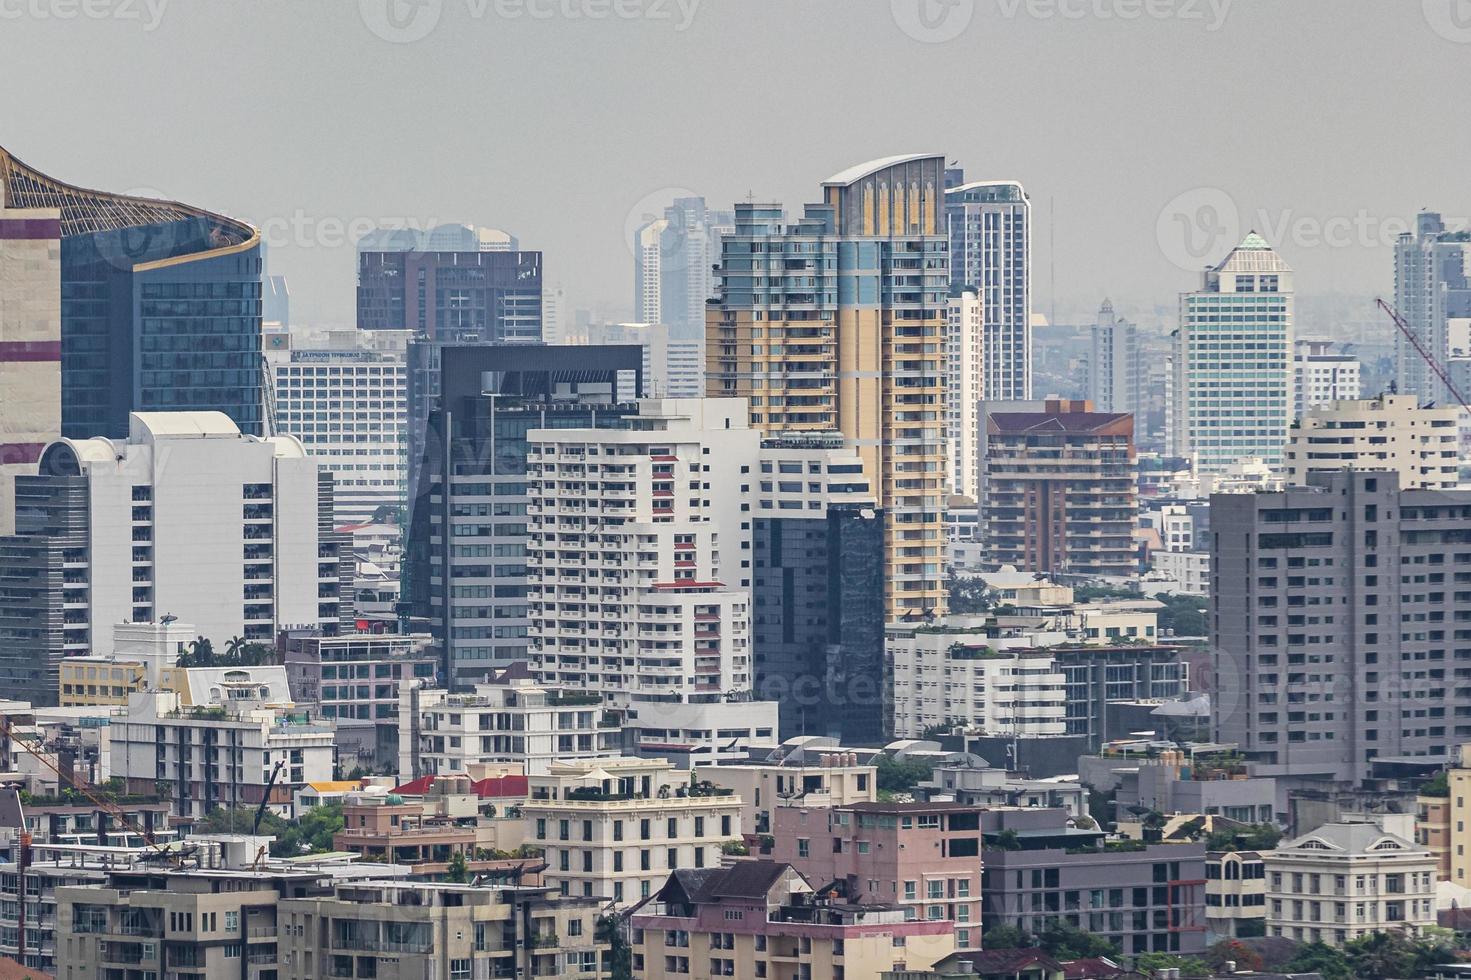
x=1153 y=128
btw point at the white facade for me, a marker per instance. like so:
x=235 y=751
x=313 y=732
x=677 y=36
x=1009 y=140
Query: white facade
x=518 y=723
x=963 y=390
x=1231 y=388
x=1115 y=367
x=1190 y=571
x=952 y=678
x=348 y=404
x=1432 y=290
x=990 y=251
x=191 y=518
x=1347 y=880
x=639 y=565
x=212 y=756
x=673 y=272
x=673 y=368
x=1320 y=376
x=1391 y=432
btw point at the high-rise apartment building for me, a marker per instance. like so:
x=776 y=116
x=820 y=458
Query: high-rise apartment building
x=1231 y=388
x=640 y=567
x=673 y=367
x=160 y=306
x=433 y=284
x=990 y=227
x=1431 y=290
x=346 y=398
x=673 y=265
x=818 y=589
x=1061 y=491
x=1320 y=377
x=30 y=343
x=466 y=568
x=964 y=385
x=1116 y=379
x=186 y=517
x=837 y=322
x=1391 y=432
x=1335 y=623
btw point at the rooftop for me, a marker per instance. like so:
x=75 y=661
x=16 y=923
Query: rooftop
x=855 y=173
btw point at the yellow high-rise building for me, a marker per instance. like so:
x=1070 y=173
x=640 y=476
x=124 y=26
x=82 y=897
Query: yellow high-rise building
x=836 y=322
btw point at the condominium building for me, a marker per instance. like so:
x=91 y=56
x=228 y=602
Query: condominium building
x=1235 y=894
x=964 y=387
x=132 y=530
x=759 y=918
x=511 y=720
x=639 y=552
x=1143 y=898
x=220 y=755
x=453 y=294
x=836 y=322
x=1458 y=816
x=1231 y=388
x=1061 y=491
x=1320 y=376
x=346 y=400
x=674 y=366
x=1345 y=881
x=1116 y=374
x=160 y=304
x=398 y=930
x=922 y=857
x=1325 y=595
x=616 y=828
x=818 y=591
x=1390 y=432
x=989 y=225
x=944 y=680
x=466 y=564
x=673 y=267
x=30 y=351
x=1433 y=832
x=812 y=780
x=1431 y=289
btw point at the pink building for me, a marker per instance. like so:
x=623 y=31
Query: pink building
x=925 y=857
x=758 y=918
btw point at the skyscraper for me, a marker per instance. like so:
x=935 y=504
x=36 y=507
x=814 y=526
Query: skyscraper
x=1231 y=386
x=964 y=380
x=989 y=224
x=160 y=306
x=1115 y=368
x=836 y=322
x=673 y=260
x=1431 y=289
x=453 y=284
x=1321 y=377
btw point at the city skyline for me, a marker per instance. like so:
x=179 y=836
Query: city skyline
x=1154 y=159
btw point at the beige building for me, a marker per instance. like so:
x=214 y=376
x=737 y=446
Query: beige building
x=1391 y=432
x=30 y=343
x=761 y=918
x=1433 y=832
x=837 y=322
x=1458 y=817
x=414 y=930
x=616 y=828
x=1235 y=893
x=831 y=779
x=1347 y=880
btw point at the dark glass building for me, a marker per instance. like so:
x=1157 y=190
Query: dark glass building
x=453 y=297
x=470 y=583
x=160 y=306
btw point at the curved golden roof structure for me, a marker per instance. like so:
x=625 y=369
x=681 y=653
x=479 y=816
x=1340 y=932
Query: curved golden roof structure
x=86 y=211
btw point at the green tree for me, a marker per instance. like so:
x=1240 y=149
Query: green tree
x=610 y=930
x=233 y=648
x=1437 y=785
x=1234 y=951
x=1256 y=837
x=1328 y=961
x=1006 y=840
x=1005 y=937
x=459 y=870
x=1067 y=942
x=1189 y=966
x=967 y=596
x=901 y=775
x=201 y=652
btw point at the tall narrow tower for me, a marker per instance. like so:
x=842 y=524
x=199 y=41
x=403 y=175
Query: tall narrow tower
x=989 y=223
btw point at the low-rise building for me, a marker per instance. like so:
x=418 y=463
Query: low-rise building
x=823 y=779
x=1143 y=898
x=981 y=787
x=1201 y=778
x=1433 y=831
x=616 y=828
x=924 y=857
x=512 y=719
x=224 y=755
x=760 y=918
x=1347 y=880
x=1235 y=894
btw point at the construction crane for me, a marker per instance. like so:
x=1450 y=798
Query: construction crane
x=1429 y=359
